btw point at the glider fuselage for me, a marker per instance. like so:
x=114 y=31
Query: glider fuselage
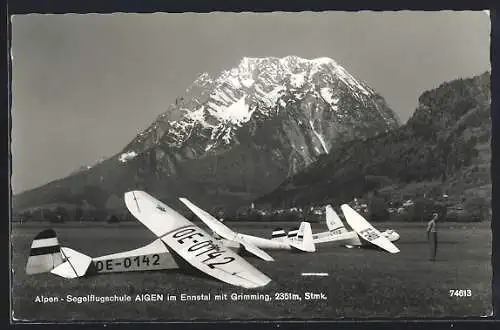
x=333 y=237
x=154 y=256
x=260 y=242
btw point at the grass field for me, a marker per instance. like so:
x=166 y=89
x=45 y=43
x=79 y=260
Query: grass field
x=361 y=282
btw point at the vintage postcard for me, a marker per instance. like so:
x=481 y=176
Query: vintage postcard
x=250 y=166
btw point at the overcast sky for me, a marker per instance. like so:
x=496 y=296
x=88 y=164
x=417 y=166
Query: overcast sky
x=84 y=85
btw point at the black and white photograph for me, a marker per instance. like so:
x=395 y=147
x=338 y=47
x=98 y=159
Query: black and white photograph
x=250 y=166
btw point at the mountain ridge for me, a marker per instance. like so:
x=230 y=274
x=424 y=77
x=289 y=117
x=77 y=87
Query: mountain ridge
x=236 y=136
x=443 y=147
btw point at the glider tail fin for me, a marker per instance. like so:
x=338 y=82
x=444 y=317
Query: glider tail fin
x=333 y=221
x=45 y=253
x=304 y=239
x=76 y=264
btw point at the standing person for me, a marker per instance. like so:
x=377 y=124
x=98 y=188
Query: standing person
x=432 y=236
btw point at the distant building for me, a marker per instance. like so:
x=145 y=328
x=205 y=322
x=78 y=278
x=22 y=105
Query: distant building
x=318 y=212
x=408 y=203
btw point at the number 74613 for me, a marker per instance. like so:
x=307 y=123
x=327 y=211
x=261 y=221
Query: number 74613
x=460 y=293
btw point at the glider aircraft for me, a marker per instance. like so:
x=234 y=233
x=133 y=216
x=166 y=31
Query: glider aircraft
x=362 y=234
x=302 y=240
x=179 y=242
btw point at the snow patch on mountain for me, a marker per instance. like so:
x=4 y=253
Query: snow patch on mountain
x=237 y=113
x=126 y=156
x=327 y=94
x=247 y=82
x=223 y=133
x=297 y=80
x=323 y=60
x=350 y=81
x=198 y=116
x=320 y=138
x=270 y=98
x=203 y=79
x=88 y=167
x=209 y=146
x=233 y=79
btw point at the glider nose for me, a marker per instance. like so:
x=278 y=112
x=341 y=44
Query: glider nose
x=392 y=235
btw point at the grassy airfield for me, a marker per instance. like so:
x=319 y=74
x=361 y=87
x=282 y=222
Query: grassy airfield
x=361 y=283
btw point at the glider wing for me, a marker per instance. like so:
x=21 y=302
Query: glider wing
x=193 y=244
x=367 y=231
x=224 y=231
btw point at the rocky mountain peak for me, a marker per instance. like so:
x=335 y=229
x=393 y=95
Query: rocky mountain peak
x=237 y=135
x=214 y=108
